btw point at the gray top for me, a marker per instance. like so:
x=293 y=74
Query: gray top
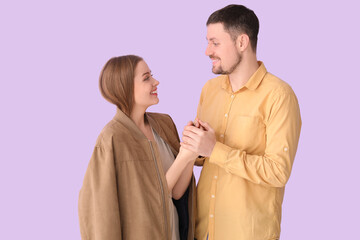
x=167 y=158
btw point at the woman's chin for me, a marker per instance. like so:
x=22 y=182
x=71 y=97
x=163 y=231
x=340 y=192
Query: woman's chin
x=155 y=102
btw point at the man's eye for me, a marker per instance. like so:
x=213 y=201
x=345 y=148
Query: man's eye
x=216 y=44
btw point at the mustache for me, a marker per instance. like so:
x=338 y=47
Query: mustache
x=214 y=57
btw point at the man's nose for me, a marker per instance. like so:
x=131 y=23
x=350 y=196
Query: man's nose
x=208 y=50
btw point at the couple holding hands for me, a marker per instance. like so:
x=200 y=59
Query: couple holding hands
x=139 y=183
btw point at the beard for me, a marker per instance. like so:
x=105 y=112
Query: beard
x=220 y=70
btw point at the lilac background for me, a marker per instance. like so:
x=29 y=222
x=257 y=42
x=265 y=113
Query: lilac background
x=51 y=55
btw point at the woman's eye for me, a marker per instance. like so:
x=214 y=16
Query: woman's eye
x=148 y=77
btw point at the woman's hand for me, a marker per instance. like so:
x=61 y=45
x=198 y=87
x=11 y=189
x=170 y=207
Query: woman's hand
x=187 y=154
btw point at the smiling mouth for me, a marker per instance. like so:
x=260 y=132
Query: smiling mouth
x=214 y=60
x=155 y=92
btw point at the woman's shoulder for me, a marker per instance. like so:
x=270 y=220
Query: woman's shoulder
x=165 y=126
x=164 y=121
x=111 y=130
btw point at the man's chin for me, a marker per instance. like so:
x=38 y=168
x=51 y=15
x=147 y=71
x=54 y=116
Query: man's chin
x=217 y=70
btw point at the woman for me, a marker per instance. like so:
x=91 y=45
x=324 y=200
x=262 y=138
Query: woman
x=133 y=173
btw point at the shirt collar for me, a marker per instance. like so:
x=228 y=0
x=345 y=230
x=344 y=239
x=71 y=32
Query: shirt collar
x=252 y=83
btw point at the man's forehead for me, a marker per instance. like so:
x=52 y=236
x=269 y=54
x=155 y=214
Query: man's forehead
x=215 y=31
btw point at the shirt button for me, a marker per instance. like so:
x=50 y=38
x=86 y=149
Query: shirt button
x=215 y=177
x=285 y=149
x=226 y=115
x=212 y=196
x=211 y=215
x=232 y=96
x=222 y=135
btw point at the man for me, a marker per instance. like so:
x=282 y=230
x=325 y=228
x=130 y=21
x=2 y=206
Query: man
x=247 y=131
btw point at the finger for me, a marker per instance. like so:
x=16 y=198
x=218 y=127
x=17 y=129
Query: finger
x=189 y=141
x=196 y=123
x=191 y=135
x=190 y=123
x=205 y=125
x=194 y=130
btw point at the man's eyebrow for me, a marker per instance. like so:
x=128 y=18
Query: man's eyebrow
x=211 y=39
x=147 y=73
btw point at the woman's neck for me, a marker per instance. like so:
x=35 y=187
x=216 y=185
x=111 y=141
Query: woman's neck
x=138 y=116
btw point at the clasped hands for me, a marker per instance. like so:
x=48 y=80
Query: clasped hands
x=198 y=138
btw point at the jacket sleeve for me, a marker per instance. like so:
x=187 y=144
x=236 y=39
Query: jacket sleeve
x=282 y=136
x=99 y=214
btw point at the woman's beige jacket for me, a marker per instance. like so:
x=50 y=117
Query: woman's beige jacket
x=124 y=193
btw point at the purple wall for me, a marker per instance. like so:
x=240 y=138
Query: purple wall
x=52 y=112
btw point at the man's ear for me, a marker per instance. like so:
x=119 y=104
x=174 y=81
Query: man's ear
x=242 y=42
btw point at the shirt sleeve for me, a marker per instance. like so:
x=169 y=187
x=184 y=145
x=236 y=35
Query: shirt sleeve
x=200 y=159
x=99 y=214
x=282 y=135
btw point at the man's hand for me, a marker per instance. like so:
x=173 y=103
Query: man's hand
x=200 y=140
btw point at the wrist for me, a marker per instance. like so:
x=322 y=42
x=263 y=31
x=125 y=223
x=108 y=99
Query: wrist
x=211 y=149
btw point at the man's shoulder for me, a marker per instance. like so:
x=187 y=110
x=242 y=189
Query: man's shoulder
x=275 y=84
x=216 y=81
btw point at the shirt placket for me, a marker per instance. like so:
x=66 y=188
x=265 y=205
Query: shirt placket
x=221 y=139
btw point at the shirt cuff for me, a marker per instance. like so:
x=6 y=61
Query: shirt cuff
x=199 y=161
x=219 y=154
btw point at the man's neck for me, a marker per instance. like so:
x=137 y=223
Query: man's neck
x=241 y=75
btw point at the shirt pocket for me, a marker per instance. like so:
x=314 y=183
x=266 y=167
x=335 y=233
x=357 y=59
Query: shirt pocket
x=247 y=133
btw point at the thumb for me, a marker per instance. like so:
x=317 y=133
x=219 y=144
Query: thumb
x=205 y=125
x=196 y=122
